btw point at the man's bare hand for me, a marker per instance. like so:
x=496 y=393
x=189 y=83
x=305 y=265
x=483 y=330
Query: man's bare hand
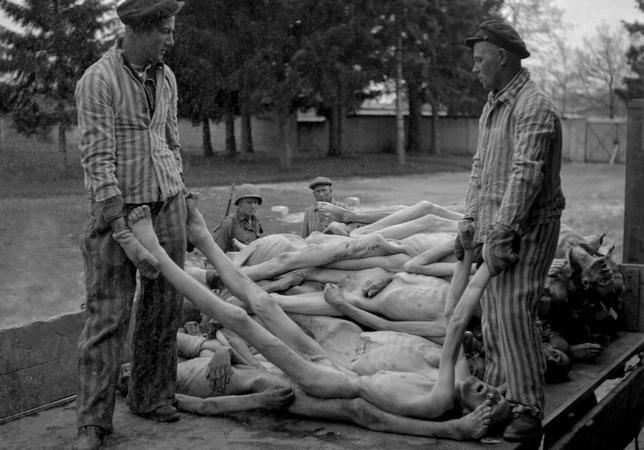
x=219 y=369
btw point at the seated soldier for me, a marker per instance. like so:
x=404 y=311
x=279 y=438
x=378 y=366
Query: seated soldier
x=244 y=226
x=310 y=367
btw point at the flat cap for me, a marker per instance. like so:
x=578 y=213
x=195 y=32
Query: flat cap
x=320 y=181
x=136 y=12
x=499 y=33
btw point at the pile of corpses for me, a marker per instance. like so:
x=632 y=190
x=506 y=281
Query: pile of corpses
x=371 y=292
x=582 y=302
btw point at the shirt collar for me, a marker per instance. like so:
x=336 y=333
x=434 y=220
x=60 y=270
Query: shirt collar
x=511 y=90
x=118 y=51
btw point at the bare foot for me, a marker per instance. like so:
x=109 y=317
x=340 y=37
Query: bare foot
x=137 y=253
x=196 y=228
x=336 y=228
x=140 y=221
x=585 y=352
x=332 y=212
x=474 y=425
x=277 y=397
x=333 y=295
x=289 y=280
x=376 y=284
x=237 y=245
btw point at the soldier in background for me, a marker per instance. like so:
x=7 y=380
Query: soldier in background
x=244 y=224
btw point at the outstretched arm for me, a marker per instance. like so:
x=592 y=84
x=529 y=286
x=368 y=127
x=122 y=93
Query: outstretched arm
x=428 y=262
x=456 y=327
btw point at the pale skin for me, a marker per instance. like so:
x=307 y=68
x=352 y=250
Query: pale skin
x=424 y=253
x=395 y=223
x=401 y=394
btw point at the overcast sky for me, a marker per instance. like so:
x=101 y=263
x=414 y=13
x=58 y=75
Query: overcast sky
x=584 y=15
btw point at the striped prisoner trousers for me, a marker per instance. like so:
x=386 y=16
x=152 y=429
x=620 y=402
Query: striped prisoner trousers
x=511 y=338
x=110 y=281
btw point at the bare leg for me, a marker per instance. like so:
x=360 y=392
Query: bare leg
x=421 y=264
x=323 y=254
x=240 y=285
x=423 y=224
x=315 y=379
x=337 y=213
x=409 y=214
x=463 y=311
x=276 y=397
x=367 y=415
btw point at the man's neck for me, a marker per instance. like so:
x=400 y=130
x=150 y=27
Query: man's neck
x=507 y=76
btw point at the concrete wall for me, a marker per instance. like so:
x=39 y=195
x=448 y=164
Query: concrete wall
x=372 y=133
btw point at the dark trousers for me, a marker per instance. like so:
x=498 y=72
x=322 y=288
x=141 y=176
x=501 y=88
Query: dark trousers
x=110 y=280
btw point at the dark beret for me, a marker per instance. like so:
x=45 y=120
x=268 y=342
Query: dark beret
x=499 y=33
x=136 y=12
x=320 y=181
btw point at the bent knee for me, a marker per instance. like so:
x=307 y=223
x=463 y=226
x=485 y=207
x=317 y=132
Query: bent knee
x=238 y=317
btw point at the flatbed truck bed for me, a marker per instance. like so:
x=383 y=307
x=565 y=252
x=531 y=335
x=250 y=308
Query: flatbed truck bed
x=571 y=412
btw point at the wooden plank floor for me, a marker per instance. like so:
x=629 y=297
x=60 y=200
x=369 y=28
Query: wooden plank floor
x=55 y=428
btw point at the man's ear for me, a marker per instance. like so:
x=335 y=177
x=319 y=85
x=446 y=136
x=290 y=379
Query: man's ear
x=503 y=56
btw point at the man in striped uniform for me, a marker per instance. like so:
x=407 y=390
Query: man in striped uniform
x=514 y=202
x=130 y=153
x=313 y=220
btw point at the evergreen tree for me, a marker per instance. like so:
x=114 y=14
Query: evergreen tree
x=42 y=61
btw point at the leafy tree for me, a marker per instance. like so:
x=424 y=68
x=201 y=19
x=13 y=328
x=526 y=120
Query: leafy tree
x=436 y=65
x=635 y=82
x=335 y=60
x=41 y=62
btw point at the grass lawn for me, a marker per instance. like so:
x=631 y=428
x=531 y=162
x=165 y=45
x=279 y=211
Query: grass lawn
x=43 y=207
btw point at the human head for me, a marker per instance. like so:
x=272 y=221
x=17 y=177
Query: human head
x=247 y=199
x=149 y=26
x=497 y=50
x=472 y=392
x=558 y=364
x=322 y=188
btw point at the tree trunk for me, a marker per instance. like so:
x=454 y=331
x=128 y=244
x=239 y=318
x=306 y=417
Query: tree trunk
x=400 y=119
x=414 y=137
x=206 y=143
x=231 y=144
x=246 y=135
x=335 y=129
x=287 y=123
x=436 y=148
x=62 y=142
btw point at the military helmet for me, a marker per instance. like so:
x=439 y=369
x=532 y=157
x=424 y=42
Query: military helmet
x=247 y=191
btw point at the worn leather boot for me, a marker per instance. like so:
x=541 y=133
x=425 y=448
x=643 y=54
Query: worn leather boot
x=524 y=427
x=89 y=437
